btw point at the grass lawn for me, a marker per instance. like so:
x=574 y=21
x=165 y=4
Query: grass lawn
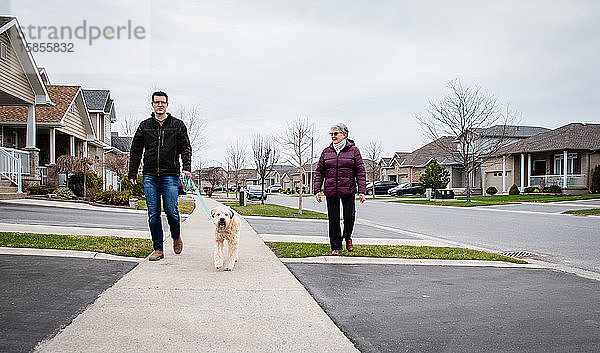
x=185 y=207
x=452 y=203
x=501 y=200
x=590 y=211
x=532 y=198
x=131 y=247
x=271 y=210
x=290 y=250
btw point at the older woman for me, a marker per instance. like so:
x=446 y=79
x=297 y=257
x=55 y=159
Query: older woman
x=342 y=168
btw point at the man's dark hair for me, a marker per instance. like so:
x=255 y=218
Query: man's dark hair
x=160 y=94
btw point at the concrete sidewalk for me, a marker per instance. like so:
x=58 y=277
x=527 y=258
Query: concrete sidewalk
x=182 y=304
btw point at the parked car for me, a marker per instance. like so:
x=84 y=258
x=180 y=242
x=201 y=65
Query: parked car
x=406 y=189
x=275 y=188
x=253 y=192
x=381 y=187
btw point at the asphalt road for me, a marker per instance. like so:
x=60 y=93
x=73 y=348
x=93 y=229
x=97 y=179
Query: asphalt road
x=397 y=308
x=569 y=240
x=88 y=218
x=41 y=295
x=318 y=228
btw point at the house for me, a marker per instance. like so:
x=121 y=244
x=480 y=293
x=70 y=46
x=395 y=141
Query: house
x=63 y=128
x=564 y=156
x=385 y=166
x=21 y=89
x=275 y=176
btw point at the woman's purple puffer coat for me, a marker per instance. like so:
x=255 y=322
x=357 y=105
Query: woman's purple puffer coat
x=341 y=172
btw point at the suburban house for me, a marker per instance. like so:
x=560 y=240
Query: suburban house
x=21 y=87
x=40 y=122
x=408 y=167
x=276 y=176
x=564 y=156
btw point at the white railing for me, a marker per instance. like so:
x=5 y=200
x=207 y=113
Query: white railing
x=10 y=168
x=573 y=180
x=23 y=156
x=43 y=176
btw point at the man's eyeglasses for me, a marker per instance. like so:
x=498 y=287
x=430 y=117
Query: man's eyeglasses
x=335 y=133
x=159 y=102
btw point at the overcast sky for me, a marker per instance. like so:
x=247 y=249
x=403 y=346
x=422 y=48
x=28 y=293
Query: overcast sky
x=255 y=65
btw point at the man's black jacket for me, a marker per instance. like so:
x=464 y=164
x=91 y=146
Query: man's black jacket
x=161 y=146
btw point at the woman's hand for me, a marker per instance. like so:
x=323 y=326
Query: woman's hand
x=318 y=197
x=362 y=198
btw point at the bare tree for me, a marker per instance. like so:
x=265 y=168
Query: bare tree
x=265 y=156
x=129 y=125
x=296 y=143
x=67 y=164
x=196 y=126
x=236 y=158
x=464 y=114
x=119 y=164
x=214 y=177
x=373 y=155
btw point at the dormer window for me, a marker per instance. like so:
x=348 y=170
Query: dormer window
x=3 y=50
x=72 y=108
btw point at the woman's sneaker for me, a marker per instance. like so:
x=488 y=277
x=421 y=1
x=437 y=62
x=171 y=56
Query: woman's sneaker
x=335 y=252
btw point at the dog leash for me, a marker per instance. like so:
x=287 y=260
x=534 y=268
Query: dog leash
x=189 y=185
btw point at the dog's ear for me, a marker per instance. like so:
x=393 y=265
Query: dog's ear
x=231 y=214
x=212 y=212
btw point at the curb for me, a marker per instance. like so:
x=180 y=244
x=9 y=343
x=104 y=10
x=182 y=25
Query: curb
x=66 y=253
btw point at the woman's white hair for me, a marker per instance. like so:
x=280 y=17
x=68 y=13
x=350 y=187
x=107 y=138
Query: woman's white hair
x=342 y=127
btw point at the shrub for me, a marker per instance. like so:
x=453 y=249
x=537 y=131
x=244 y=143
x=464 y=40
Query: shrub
x=65 y=194
x=40 y=190
x=135 y=190
x=531 y=189
x=555 y=189
x=595 y=187
x=491 y=190
x=93 y=181
x=514 y=190
x=112 y=197
x=434 y=176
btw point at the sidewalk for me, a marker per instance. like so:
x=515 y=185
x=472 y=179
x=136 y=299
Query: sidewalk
x=182 y=304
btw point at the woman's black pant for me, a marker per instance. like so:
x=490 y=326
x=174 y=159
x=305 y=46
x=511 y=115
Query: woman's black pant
x=333 y=212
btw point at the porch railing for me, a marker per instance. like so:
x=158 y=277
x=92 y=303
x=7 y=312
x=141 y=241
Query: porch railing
x=21 y=155
x=573 y=180
x=43 y=176
x=11 y=168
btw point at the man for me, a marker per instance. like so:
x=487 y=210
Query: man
x=162 y=138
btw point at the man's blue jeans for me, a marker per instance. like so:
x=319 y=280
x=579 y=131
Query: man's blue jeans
x=155 y=188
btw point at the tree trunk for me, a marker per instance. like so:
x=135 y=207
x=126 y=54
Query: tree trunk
x=300 y=198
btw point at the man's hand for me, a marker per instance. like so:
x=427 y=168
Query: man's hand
x=318 y=197
x=133 y=181
x=362 y=198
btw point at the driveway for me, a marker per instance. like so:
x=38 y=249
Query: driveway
x=40 y=295
x=401 y=308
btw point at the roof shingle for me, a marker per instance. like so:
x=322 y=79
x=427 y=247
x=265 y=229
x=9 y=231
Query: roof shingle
x=96 y=99
x=62 y=96
x=574 y=136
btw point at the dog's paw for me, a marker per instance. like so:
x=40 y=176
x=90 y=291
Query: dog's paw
x=228 y=268
x=218 y=266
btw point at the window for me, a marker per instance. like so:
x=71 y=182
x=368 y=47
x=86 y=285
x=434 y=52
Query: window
x=72 y=108
x=559 y=163
x=3 y=50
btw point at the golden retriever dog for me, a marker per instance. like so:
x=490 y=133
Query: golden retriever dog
x=227 y=227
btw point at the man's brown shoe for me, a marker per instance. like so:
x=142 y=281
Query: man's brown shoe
x=156 y=255
x=178 y=245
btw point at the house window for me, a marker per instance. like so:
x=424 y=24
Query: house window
x=3 y=50
x=72 y=108
x=559 y=163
